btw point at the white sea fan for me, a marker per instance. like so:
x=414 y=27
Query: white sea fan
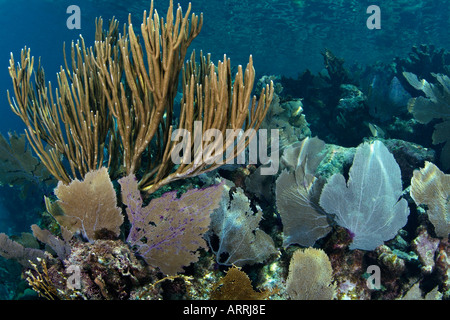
x=297 y=194
x=236 y=225
x=369 y=203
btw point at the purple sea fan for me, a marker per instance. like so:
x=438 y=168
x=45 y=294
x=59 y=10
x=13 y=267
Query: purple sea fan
x=168 y=231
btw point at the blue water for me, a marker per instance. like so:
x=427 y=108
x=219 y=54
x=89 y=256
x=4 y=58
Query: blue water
x=285 y=37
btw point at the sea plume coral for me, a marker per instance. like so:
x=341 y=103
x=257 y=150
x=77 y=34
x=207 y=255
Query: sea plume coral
x=116 y=104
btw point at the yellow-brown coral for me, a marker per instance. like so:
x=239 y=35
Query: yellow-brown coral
x=310 y=276
x=236 y=285
x=89 y=206
x=431 y=186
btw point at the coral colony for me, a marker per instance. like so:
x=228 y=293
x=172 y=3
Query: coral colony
x=235 y=140
x=142 y=197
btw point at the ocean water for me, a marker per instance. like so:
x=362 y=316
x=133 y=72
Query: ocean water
x=284 y=37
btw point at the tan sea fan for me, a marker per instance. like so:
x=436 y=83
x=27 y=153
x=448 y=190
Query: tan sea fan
x=89 y=206
x=430 y=186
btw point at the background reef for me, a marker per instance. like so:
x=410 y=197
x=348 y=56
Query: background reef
x=253 y=234
x=299 y=30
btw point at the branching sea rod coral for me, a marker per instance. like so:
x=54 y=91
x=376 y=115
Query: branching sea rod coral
x=116 y=105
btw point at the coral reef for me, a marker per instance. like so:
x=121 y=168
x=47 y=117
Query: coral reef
x=431 y=186
x=235 y=228
x=425 y=247
x=442 y=260
x=423 y=61
x=368 y=203
x=297 y=194
x=332 y=102
x=358 y=209
x=435 y=105
x=97 y=213
x=237 y=286
x=287 y=116
x=108 y=270
x=169 y=230
x=310 y=276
